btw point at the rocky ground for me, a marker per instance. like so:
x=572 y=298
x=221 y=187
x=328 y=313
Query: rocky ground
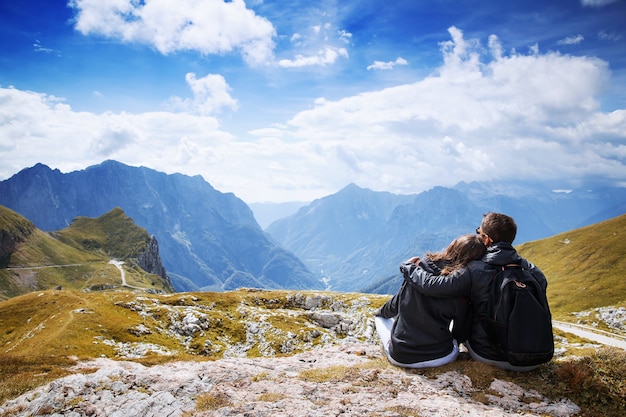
x=614 y=317
x=350 y=379
x=341 y=376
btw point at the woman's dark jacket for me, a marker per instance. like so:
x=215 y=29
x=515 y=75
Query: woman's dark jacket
x=421 y=330
x=473 y=281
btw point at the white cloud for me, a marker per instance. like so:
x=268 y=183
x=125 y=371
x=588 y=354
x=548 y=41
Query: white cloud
x=380 y=65
x=345 y=36
x=597 y=3
x=38 y=48
x=210 y=94
x=295 y=38
x=116 y=134
x=328 y=55
x=321 y=45
x=518 y=116
x=495 y=47
x=41 y=128
x=609 y=36
x=209 y=27
x=572 y=40
x=269 y=132
x=528 y=116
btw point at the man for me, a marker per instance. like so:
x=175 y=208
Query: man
x=497 y=231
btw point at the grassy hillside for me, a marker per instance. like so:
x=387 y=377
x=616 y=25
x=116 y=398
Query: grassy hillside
x=41 y=331
x=14 y=228
x=76 y=258
x=113 y=323
x=113 y=234
x=585 y=268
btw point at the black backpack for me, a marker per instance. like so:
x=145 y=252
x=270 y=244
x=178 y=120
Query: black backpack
x=519 y=323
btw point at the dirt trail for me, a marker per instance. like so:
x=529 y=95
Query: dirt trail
x=118 y=265
x=54 y=325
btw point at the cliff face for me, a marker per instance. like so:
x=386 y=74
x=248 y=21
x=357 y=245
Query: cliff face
x=150 y=261
x=8 y=242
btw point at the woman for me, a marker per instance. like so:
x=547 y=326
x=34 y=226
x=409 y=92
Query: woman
x=416 y=329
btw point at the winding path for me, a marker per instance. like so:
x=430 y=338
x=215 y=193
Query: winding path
x=591 y=333
x=118 y=265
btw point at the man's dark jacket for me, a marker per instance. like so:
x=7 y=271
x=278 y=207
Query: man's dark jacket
x=473 y=281
x=421 y=331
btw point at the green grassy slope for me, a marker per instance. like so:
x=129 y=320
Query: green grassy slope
x=75 y=258
x=585 y=268
x=113 y=234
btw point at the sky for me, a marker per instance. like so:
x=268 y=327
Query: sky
x=279 y=101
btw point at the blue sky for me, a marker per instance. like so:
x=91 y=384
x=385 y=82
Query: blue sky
x=291 y=101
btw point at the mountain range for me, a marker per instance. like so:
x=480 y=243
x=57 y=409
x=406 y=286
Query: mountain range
x=353 y=240
x=208 y=240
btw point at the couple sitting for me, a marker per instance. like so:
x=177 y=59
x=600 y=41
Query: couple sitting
x=443 y=300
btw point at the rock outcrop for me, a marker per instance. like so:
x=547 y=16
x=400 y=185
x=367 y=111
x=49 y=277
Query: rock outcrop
x=349 y=379
x=150 y=261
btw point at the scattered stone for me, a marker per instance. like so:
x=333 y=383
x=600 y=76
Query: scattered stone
x=329 y=381
x=614 y=317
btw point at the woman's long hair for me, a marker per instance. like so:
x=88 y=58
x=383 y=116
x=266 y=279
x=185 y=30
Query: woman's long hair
x=459 y=253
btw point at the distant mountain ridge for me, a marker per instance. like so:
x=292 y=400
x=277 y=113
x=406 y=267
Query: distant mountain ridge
x=208 y=240
x=429 y=221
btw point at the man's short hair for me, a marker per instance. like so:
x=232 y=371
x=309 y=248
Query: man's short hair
x=499 y=227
